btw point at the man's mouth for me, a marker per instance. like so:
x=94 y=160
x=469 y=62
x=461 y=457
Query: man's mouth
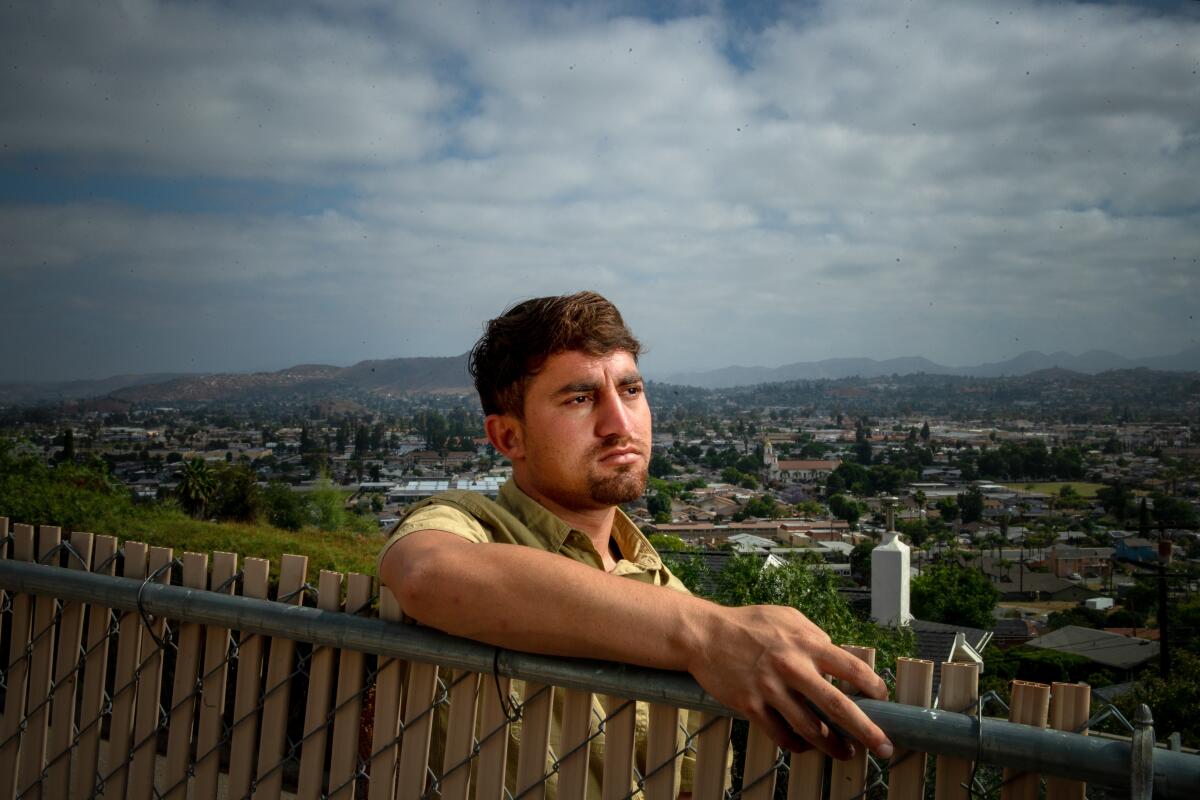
x=621 y=456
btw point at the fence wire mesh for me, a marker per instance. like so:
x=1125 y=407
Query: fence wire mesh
x=147 y=674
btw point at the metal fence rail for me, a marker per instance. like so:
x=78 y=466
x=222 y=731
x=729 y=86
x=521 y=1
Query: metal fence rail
x=318 y=701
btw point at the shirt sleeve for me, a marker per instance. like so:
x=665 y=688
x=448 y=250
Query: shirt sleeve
x=436 y=517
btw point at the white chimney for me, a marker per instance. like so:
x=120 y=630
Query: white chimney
x=889 y=576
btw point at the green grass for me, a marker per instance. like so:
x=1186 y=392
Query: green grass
x=84 y=499
x=1082 y=488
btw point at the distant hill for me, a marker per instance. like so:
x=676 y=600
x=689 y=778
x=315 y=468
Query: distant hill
x=1092 y=362
x=301 y=382
x=50 y=391
x=383 y=377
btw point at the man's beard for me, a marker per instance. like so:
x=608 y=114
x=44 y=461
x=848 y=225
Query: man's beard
x=624 y=487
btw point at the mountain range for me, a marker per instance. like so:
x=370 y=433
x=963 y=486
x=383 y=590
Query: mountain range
x=1090 y=363
x=384 y=377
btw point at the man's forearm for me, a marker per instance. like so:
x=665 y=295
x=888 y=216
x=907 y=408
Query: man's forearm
x=525 y=599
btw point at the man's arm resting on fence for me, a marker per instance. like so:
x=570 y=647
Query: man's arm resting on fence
x=760 y=660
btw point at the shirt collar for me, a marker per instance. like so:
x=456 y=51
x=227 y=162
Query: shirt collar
x=552 y=531
x=548 y=528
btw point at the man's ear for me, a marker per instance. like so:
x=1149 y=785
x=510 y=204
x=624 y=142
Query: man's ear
x=506 y=434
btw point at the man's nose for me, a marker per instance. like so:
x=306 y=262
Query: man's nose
x=613 y=417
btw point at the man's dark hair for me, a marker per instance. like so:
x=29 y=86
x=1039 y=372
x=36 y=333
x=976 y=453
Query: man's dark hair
x=516 y=344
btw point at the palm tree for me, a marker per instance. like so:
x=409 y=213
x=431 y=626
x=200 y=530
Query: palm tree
x=197 y=487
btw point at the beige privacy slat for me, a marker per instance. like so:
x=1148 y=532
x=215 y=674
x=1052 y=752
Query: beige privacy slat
x=145 y=726
x=1030 y=706
x=249 y=679
x=848 y=777
x=384 y=749
x=1070 y=707
x=277 y=691
x=320 y=688
x=914 y=687
x=414 y=747
x=95 y=670
x=712 y=743
x=460 y=735
x=213 y=681
x=618 y=746
x=66 y=678
x=535 y=740
x=347 y=715
x=958 y=692
x=759 y=773
x=806 y=775
x=661 y=740
x=493 y=740
x=573 y=750
x=33 y=744
x=17 y=671
x=129 y=643
x=182 y=713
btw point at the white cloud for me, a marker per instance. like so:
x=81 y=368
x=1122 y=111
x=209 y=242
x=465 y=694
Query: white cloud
x=872 y=179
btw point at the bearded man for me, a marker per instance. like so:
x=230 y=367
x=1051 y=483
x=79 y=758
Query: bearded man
x=555 y=567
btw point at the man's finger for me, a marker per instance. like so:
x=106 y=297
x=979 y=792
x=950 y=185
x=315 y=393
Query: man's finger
x=799 y=717
x=846 y=667
x=840 y=712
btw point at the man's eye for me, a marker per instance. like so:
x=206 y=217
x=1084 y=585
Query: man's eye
x=633 y=391
x=579 y=399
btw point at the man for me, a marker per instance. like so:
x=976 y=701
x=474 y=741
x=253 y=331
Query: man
x=564 y=402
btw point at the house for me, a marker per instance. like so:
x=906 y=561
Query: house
x=1136 y=549
x=1123 y=653
x=1088 y=562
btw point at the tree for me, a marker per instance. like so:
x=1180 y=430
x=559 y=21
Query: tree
x=237 y=496
x=197 y=488
x=660 y=466
x=1116 y=499
x=283 y=507
x=860 y=561
x=925 y=431
x=68 y=446
x=948 y=509
x=845 y=508
x=951 y=593
x=970 y=505
x=327 y=505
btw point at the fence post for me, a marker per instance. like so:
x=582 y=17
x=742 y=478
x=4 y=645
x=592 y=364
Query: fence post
x=249 y=678
x=958 y=692
x=91 y=707
x=1030 y=706
x=129 y=642
x=320 y=689
x=618 y=746
x=914 y=687
x=146 y=719
x=386 y=733
x=850 y=776
x=33 y=745
x=183 y=690
x=276 y=695
x=213 y=684
x=66 y=678
x=347 y=716
x=17 y=672
x=1141 y=771
x=1070 y=705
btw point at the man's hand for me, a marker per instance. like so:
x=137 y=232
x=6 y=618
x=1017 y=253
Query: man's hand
x=769 y=663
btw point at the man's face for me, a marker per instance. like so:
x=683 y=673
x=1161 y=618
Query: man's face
x=584 y=442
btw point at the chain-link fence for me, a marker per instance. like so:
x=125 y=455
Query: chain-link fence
x=185 y=682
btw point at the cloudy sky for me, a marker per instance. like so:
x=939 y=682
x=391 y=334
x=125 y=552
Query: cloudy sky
x=229 y=186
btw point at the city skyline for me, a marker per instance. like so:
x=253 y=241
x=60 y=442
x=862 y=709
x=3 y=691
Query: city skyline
x=206 y=188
